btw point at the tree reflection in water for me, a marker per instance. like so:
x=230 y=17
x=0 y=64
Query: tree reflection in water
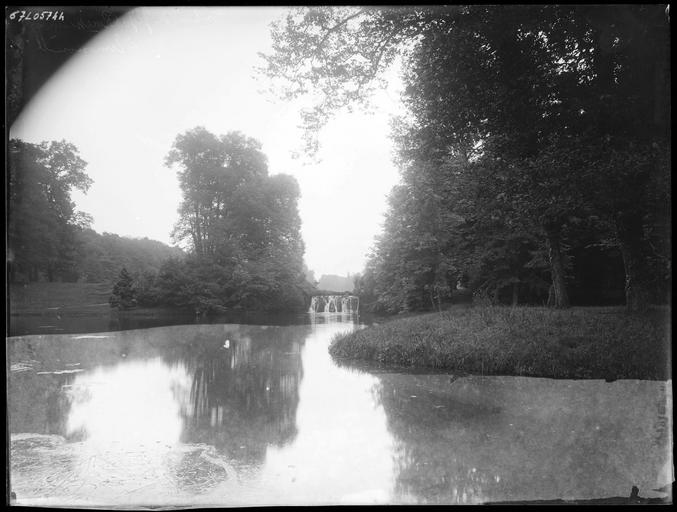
x=244 y=393
x=509 y=438
x=151 y=406
x=431 y=466
x=38 y=405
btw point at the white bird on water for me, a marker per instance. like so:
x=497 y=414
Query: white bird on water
x=226 y=344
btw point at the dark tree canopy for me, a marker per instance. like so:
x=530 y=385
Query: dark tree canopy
x=211 y=170
x=102 y=256
x=124 y=294
x=544 y=129
x=242 y=226
x=42 y=221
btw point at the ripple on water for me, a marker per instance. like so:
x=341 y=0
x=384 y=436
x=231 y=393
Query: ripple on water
x=47 y=465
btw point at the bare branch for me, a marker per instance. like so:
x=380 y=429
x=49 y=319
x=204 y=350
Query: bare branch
x=339 y=25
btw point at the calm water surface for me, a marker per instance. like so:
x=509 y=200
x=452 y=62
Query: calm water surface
x=252 y=415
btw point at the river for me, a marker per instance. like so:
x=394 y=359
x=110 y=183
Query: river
x=228 y=414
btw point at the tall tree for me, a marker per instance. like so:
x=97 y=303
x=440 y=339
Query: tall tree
x=242 y=225
x=42 y=220
x=124 y=295
x=211 y=169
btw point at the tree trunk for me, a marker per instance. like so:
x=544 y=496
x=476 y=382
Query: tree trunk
x=630 y=239
x=661 y=96
x=197 y=232
x=551 y=296
x=515 y=293
x=561 y=297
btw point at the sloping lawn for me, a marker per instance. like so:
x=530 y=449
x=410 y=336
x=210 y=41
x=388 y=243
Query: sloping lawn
x=36 y=297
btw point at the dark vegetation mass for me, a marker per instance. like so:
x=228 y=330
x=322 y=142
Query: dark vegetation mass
x=241 y=226
x=104 y=255
x=534 y=151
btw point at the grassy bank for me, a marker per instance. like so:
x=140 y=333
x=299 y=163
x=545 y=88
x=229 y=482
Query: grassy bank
x=575 y=343
x=61 y=308
x=34 y=298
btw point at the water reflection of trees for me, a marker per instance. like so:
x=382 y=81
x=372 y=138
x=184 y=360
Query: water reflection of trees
x=244 y=392
x=501 y=439
x=234 y=400
x=35 y=403
x=434 y=462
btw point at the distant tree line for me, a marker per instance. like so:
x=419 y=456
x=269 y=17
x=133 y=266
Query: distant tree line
x=102 y=256
x=534 y=152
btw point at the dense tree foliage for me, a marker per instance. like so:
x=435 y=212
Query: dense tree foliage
x=42 y=221
x=532 y=134
x=124 y=294
x=241 y=225
x=102 y=256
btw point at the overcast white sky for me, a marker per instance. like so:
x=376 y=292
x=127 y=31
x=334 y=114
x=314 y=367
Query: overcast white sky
x=160 y=71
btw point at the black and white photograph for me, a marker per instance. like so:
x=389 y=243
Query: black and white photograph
x=266 y=256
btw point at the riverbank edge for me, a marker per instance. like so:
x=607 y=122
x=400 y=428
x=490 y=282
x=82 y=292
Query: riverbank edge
x=41 y=297
x=577 y=343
